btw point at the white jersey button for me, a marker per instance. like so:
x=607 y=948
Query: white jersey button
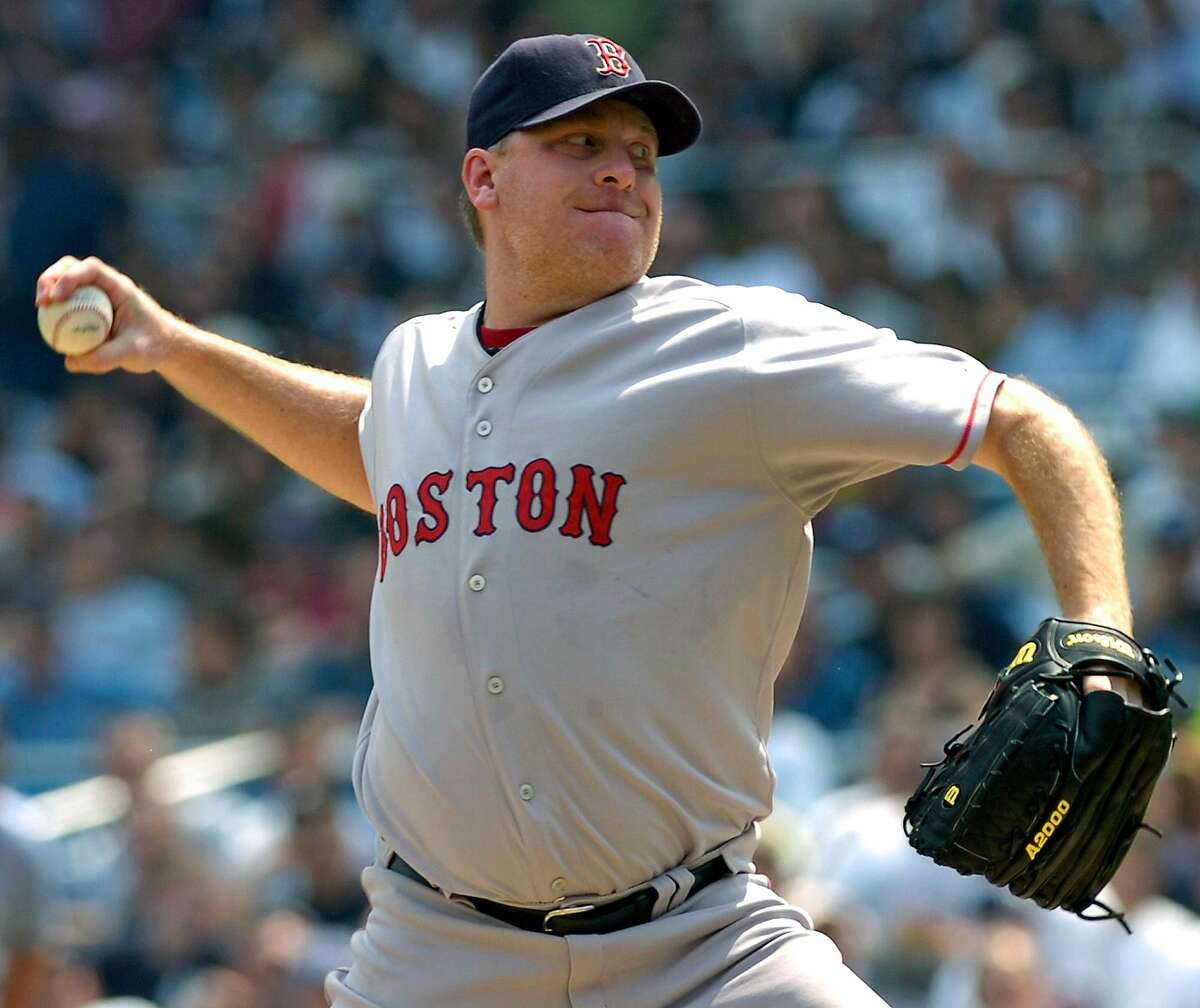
x=485 y=384
x=526 y=792
x=476 y=582
x=483 y=428
x=559 y=885
x=495 y=685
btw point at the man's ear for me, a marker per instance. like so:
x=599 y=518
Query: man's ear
x=477 y=178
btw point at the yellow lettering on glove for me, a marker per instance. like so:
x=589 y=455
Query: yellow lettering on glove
x=1024 y=656
x=1034 y=847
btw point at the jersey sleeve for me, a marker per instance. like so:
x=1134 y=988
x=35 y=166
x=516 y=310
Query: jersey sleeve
x=367 y=439
x=369 y=433
x=835 y=401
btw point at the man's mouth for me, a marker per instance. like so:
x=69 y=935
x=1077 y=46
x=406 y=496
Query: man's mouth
x=617 y=210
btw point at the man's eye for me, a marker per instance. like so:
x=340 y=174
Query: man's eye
x=641 y=152
x=581 y=140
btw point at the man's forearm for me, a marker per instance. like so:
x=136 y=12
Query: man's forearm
x=1064 y=485
x=307 y=418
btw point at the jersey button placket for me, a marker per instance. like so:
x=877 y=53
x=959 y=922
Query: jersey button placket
x=487 y=609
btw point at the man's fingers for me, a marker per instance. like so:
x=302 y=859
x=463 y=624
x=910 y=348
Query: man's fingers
x=50 y=276
x=88 y=363
x=1129 y=691
x=68 y=274
x=108 y=356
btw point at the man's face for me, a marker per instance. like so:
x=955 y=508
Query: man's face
x=576 y=203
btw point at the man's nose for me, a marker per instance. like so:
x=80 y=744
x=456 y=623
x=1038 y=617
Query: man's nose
x=617 y=170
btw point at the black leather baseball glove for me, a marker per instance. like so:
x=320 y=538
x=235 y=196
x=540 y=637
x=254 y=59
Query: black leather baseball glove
x=1047 y=792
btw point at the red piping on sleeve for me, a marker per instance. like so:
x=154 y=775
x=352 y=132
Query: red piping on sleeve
x=966 y=436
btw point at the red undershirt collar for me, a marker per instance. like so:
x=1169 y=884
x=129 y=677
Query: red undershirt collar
x=497 y=339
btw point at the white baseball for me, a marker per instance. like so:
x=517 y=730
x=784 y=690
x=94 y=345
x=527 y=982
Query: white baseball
x=77 y=324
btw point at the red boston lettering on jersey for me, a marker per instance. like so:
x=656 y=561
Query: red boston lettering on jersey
x=393 y=526
x=435 y=520
x=487 y=479
x=600 y=510
x=591 y=503
x=539 y=473
x=613 y=60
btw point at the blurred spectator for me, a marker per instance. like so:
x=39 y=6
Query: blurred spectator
x=222 y=691
x=891 y=911
x=1078 y=342
x=18 y=812
x=177 y=912
x=289 y=958
x=25 y=904
x=106 y=615
x=121 y=1002
x=1002 y=967
x=318 y=873
x=1155 y=965
x=215 y=988
x=1178 y=802
x=932 y=665
x=37 y=700
x=1165 y=371
x=58 y=198
x=132 y=744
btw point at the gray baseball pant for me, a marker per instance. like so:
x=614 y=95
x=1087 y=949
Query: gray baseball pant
x=735 y=944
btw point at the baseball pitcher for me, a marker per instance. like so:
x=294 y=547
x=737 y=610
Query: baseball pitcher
x=594 y=492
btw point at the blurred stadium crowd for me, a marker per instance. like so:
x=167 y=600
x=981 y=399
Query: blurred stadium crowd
x=1019 y=178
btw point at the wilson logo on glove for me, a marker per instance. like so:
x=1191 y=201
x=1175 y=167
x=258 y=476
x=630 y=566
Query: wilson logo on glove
x=1024 y=656
x=1101 y=640
x=1034 y=847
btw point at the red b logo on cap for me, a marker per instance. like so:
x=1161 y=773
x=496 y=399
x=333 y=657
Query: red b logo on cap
x=612 y=57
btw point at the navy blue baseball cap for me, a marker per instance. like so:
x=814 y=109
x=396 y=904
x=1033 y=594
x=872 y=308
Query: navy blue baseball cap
x=537 y=80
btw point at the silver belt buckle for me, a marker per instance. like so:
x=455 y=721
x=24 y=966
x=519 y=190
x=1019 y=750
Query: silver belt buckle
x=563 y=912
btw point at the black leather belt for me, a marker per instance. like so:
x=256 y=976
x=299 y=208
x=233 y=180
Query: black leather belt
x=631 y=909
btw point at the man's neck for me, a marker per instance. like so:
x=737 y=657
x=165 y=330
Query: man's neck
x=511 y=304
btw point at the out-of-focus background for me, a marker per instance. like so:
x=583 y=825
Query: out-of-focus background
x=183 y=623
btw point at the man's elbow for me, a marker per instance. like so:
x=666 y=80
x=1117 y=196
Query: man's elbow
x=1021 y=415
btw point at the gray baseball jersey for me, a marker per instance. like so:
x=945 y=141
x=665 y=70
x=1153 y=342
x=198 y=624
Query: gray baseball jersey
x=594 y=554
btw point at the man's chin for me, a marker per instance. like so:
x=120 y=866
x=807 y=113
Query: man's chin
x=611 y=234
x=614 y=266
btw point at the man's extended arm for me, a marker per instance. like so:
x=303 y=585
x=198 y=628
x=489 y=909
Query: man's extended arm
x=307 y=418
x=1062 y=480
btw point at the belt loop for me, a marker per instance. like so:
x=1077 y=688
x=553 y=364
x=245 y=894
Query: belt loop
x=666 y=887
x=684 y=880
x=673 y=887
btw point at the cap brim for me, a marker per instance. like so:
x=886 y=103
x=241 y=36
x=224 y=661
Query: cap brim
x=676 y=120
